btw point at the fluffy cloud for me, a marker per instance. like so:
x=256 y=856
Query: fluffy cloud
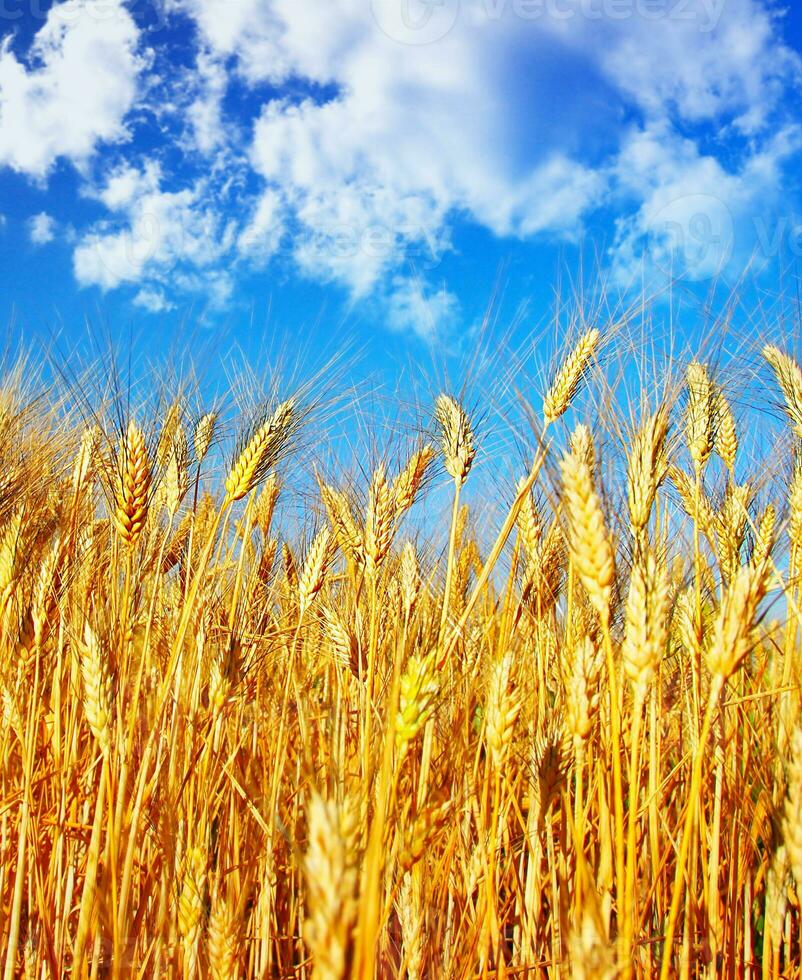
x=74 y=88
x=154 y=235
x=42 y=228
x=693 y=217
x=152 y=300
x=261 y=236
x=426 y=313
x=205 y=112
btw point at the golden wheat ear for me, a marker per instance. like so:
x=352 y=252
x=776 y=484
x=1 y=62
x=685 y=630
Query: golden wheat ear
x=133 y=488
x=97 y=688
x=349 y=537
x=203 y=435
x=311 y=580
x=646 y=621
x=700 y=414
x=331 y=877
x=789 y=378
x=260 y=449
x=175 y=481
x=569 y=377
x=589 y=541
x=379 y=520
x=420 y=685
x=456 y=436
x=409 y=480
x=725 y=438
x=646 y=469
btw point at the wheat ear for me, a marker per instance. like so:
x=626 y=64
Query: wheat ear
x=700 y=418
x=591 y=550
x=204 y=432
x=568 y=378
x=311 y=579
x=457 y=439
x=789 y=378
x=646 y=621
x=409 y=480
x=331 y=872
x=503 y=707
x=726 y=432
x=261 y=450
x=97 y=689
x=133 y=488
x=647 y=469
x=419 y=688
x=379 y=523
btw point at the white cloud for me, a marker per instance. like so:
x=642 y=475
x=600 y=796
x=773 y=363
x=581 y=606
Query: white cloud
x=426 y=313
x=205 y=110
x=153 y=300
x=410 y=140
x=42 y=228
x=262 y=235
x=154 y=233
x=74 y=89
x=702 y=66
x=695 y=218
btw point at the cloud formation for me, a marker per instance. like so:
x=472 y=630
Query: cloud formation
x=72 y=90
x=353 y=137
x=42 y=228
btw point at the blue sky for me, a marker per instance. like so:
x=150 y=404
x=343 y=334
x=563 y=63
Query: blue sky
x=259 y=172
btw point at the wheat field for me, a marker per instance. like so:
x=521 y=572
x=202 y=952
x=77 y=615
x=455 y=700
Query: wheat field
x=564 y=742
